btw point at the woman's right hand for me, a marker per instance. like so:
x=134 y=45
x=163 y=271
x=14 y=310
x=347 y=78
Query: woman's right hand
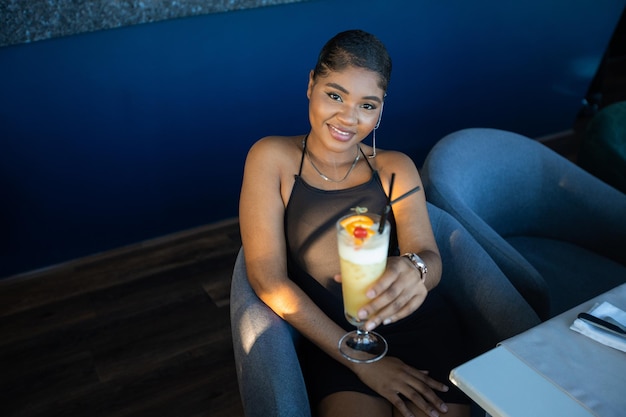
x=403 y=386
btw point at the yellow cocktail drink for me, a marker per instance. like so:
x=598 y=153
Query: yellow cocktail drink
x=357 y=278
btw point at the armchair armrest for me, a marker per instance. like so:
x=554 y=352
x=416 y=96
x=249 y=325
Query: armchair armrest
x=268 y=371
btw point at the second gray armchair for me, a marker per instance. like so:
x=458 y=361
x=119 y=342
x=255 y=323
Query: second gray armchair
x=557 y=232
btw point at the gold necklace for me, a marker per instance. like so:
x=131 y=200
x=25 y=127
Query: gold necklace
x=325 y=177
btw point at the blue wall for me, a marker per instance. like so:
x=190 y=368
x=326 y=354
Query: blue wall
x=113 y=137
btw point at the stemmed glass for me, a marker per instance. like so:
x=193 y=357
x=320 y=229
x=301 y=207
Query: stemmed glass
x=363 y=249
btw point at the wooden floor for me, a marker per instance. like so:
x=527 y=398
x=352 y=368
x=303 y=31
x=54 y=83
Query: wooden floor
x=139 y=331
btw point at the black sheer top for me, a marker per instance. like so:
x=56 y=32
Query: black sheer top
x=310 y=219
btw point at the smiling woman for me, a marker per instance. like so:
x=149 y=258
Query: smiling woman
x=291 y=251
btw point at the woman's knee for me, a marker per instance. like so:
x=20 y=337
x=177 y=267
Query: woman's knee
x=350 y=403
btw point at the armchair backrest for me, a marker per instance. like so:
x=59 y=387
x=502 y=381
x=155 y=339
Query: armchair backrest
x=517 y=185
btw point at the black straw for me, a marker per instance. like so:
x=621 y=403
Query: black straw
x=405 y=195
x=383 y=216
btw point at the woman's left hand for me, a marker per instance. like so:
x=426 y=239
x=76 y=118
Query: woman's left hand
x=397 y=293
x=404 y=387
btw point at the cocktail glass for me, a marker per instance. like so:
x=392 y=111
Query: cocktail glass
x=363 y=250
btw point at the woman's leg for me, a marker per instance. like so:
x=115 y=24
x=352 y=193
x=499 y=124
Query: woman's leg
x=454 y=410
x=353 y=404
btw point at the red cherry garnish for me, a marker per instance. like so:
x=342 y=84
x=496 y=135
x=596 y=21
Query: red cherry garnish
x=360 y=232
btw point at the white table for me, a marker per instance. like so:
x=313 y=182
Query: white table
x=550 y=370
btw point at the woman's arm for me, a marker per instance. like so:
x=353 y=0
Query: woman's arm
x=401 y=291
x=267 y=183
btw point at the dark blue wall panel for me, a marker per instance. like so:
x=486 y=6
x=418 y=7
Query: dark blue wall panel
x=113 y=137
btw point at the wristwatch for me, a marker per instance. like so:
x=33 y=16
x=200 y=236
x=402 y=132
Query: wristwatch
x=418 y=263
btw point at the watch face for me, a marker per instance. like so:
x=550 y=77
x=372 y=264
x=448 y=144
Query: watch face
x=418 y=262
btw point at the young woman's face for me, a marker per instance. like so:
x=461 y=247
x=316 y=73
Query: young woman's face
x=344 y=106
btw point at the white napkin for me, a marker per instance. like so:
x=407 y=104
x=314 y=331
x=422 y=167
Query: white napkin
x=600 y=335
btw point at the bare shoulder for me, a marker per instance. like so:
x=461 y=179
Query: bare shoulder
x=272 y=144
x=270 y=166
x=388 y=161
x=276 y=151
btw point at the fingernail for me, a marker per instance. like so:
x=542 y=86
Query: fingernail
x=362 y=314
x=387 y=321
x=369 y=326
x=444 y=408
x=371 y=294
x=434 y=413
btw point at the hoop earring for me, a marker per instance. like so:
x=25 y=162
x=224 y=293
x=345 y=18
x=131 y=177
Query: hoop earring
x=380 y=116
x=373 y=155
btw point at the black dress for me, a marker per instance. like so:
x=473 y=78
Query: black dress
x=429 y=339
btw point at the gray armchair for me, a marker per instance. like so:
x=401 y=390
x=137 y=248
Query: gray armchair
x=270 y=379
x=557 y=232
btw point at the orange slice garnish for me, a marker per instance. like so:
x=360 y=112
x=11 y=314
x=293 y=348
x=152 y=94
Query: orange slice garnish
x=352 y=223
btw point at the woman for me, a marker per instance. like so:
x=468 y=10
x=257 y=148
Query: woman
x=294 y=189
